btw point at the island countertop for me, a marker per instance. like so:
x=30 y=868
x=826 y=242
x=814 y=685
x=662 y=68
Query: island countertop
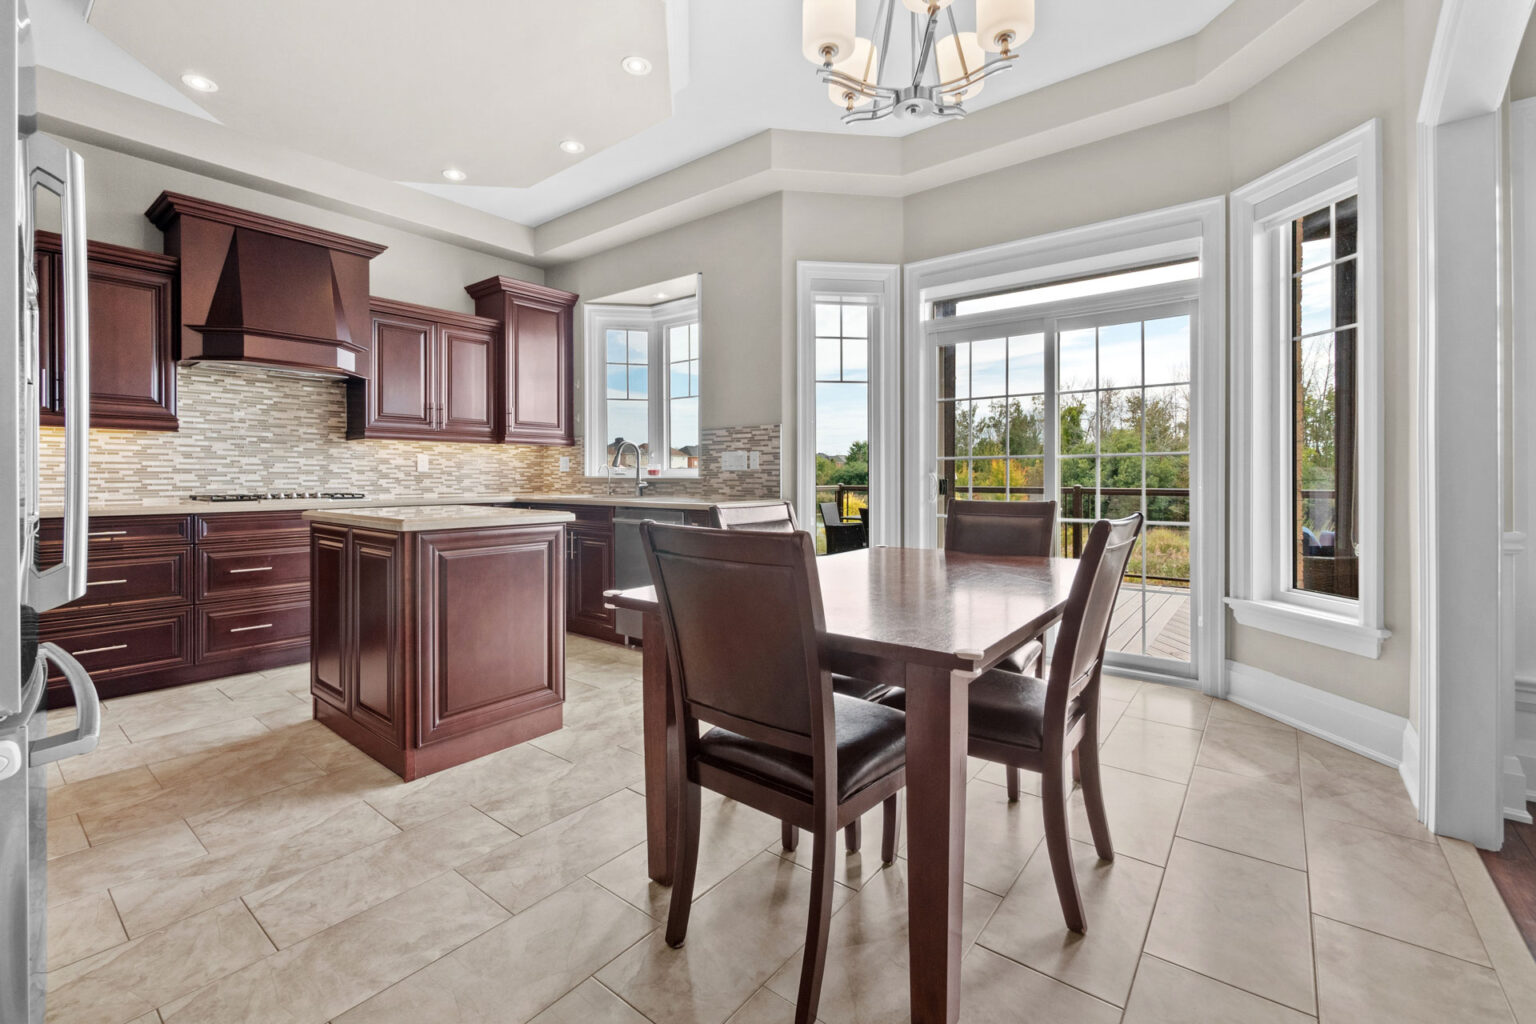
x=423 y=518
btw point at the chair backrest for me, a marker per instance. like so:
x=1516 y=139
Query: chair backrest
x=762 y=516
x=830 y=514
x=743 y=618
x=1000 y=527
x=1090 y=605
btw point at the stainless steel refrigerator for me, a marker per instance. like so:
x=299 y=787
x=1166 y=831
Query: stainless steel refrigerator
x=33 y=166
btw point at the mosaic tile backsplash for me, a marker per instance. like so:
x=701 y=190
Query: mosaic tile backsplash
x=246 y=428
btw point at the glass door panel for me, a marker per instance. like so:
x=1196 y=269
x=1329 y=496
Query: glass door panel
x=842 y=423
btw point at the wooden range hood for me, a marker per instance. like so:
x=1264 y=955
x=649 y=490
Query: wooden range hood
x=255 y=289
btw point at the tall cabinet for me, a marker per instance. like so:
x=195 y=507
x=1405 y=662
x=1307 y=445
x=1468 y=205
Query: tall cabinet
x=537 y=365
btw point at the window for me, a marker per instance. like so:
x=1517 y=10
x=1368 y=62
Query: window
x=642 y=384
x=1306 y=419
x=842 y=405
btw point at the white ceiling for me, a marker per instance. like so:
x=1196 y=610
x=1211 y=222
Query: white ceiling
x=371 y=85
x=403 y=89
x=654 y=294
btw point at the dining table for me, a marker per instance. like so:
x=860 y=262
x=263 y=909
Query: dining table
x=920 y=618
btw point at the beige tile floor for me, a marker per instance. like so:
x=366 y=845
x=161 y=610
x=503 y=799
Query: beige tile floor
x=222 y=858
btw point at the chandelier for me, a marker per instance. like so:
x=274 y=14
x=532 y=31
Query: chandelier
x=946 y=70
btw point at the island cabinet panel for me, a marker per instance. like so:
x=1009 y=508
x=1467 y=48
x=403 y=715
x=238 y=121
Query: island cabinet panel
x=488 y=629
x=328 y=660
x=434 y=648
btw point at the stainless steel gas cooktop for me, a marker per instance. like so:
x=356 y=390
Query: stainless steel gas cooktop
x=281 y=496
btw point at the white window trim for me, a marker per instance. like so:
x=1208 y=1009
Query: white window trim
x=597 y=318
x=1260 y=598
x=882 y=282
x=1196 y=229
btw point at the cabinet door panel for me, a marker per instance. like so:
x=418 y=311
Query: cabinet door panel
x=401 y=381
x=329 y=616
x=589 y=576
x=374 y=565
x=50 y=345
x=133 y=380
x=538 y=374
x=466 y=394
x=491 y=621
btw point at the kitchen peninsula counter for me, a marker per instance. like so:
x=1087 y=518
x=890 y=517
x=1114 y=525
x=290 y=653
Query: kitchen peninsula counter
x=437 y=631
x=189 y=506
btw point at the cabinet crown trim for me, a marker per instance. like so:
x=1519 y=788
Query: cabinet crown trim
x=395 y=307
x=170 y=205
x=107 y=252
x=520 y=289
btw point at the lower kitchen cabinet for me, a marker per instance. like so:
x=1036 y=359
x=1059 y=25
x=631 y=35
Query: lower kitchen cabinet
x=589 y=575
x=435 y=648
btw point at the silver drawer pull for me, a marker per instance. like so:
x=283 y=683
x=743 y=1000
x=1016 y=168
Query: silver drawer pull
x=260 y=568
x=106 y=533
x=104 y=583
x=102 y=650
x=247 y=629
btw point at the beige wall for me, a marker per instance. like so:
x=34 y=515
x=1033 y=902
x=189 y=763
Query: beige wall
x=119 y=188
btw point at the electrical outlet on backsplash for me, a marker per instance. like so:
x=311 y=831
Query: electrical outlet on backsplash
x=253 y=429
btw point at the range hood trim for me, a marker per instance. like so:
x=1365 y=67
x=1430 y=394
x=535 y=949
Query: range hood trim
x=164 y=210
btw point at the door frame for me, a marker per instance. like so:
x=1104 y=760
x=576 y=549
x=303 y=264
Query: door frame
x=1196 y=229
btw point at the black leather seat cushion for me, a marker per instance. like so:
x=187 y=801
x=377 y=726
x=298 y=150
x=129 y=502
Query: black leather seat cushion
x=1023 y=660
x=860 y=688
x=1005 y=707
x=871 y=743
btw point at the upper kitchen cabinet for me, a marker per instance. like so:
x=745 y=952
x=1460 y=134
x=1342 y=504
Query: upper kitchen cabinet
x=256 y=289
x=537 y=366
x=431 y=377
x=133 y=374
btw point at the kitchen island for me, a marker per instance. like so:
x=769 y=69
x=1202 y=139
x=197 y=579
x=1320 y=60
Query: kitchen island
x=437 y=631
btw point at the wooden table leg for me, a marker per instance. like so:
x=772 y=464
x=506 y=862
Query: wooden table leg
x=661 y=789
x=937 y=723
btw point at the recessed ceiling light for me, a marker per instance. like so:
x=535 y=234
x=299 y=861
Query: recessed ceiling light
x=661 y=295
x=454 y=174
x=572 y=147
x=202 y=83
x=636 y=65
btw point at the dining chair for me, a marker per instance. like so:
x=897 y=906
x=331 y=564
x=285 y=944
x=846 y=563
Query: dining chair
x=779 y=517
x=743 y=620
x=1005 y=528
x=1051 y=726
x=763 y=516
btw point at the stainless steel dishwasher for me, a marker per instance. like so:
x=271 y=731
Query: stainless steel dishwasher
x=629 y=567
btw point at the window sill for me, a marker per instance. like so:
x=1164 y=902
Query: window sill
x=1342 y=633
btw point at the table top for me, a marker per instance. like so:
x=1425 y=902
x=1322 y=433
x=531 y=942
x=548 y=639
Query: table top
x=925 y=605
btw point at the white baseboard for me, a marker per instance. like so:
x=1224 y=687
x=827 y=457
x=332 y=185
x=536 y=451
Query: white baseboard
x=1369 y=732
x=1408 y=768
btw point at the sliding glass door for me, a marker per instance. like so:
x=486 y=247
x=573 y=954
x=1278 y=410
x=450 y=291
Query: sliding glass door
x=1088 y=405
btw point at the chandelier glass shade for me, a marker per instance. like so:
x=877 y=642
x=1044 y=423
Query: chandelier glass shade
x=948 y=66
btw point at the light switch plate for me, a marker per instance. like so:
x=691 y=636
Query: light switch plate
x=733 y=461
x=754 y=460
x=423 y=463
x=565 y=463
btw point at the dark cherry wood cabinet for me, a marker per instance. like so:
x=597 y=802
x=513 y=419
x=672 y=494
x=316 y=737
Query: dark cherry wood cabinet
x=589 y=575
x=536 y=359
x=432 y=376
x=133 y=370
x=434 y=648
x=180 y=599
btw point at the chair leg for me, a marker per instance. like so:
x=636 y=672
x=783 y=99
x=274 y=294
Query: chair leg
x=685 y=863
x=1012 y=774
x=1058 y=843
x=853 y=835
x=1093 y=796
x=824 y=850
x=888 y=834
x=790 y=836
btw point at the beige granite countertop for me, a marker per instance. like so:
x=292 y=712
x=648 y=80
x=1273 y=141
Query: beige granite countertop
x=185 y=506
x=420 y=518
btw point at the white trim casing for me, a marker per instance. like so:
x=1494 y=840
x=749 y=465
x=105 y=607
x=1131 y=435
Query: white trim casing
x=882 y=282
x=1408 y=769
x=596 y=319
x=1196 y=229
x=1260 y=596
x=1369 y=732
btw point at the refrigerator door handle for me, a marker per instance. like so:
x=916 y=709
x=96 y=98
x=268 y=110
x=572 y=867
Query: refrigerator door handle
x=54 y=168
x=82 y=739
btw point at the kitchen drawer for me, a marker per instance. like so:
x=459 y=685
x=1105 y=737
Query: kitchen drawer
x=129 y=579
x=244 y=527
x=240 y=629
x=125 y=644
x=109 y=533
x=251 y=571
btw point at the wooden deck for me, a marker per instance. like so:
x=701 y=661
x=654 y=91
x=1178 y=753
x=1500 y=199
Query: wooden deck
x=1166 y=630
